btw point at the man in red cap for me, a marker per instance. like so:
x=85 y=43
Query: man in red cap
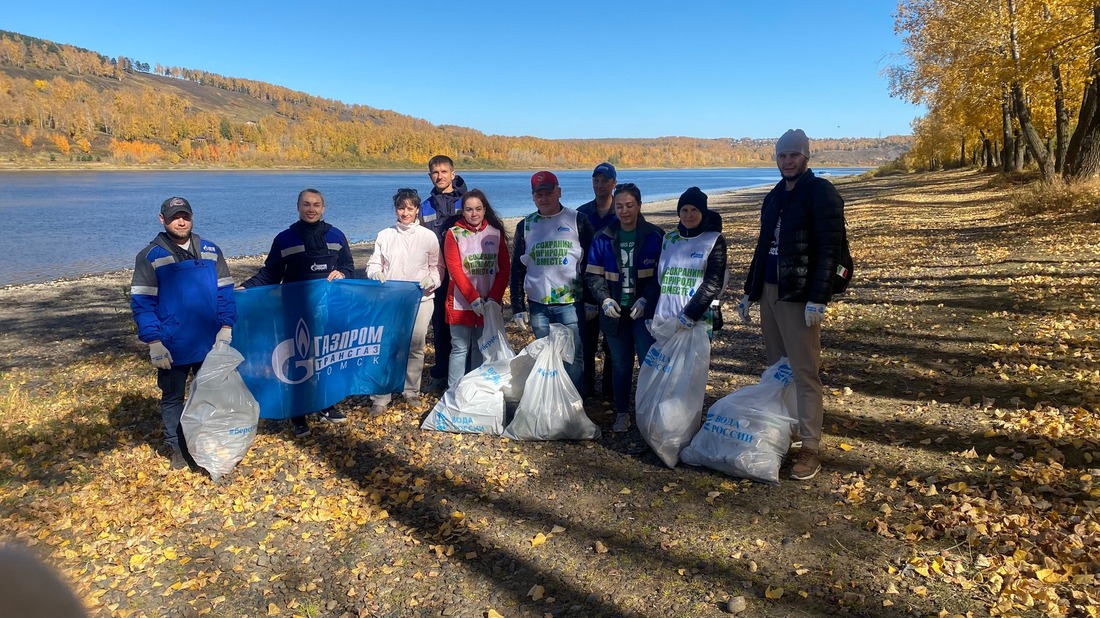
x=550 y=251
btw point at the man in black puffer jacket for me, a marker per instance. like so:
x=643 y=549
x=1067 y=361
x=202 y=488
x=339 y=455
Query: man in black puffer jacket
x=796 y=258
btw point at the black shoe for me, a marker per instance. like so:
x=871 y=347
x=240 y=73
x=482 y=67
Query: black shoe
x=299 y=426
x=178 y=461
x=332 y=415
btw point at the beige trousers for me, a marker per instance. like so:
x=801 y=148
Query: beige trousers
x=415 y=368
x=786 y=334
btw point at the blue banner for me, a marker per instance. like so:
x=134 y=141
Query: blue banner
x=309 y=344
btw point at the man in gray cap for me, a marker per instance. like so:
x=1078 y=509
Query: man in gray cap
x=182 y=299
x=791 y=276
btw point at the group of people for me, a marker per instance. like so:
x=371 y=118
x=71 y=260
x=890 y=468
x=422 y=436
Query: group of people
x=602 y=269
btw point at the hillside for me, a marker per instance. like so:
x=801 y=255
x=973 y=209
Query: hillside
x=63 y=107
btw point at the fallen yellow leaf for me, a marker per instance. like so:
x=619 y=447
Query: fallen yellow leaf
x=539 y=539
x=773 y=593
x=844 y=446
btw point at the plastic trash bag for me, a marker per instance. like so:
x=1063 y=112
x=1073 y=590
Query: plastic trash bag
x=220 y=417
x=493 y=344
x=475 y=404
x=747 y=432
x=671 y=384
x=550 y=407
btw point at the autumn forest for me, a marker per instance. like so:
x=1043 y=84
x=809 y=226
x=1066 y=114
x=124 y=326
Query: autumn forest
x=62 y=106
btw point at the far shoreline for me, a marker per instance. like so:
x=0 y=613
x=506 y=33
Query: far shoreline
x=662 y=212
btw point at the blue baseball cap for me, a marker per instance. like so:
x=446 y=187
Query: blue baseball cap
x=606 y=169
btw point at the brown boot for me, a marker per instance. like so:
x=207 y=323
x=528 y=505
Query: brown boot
x=806 y=465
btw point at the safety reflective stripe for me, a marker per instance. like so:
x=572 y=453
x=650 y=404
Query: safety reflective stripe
x=164 y=261
x=209 y=256
x=335 y=246
x=595 y=269
x=646 y=272
x=225 y=281
x=611 y=276
x=293 y=250
x=144 y=290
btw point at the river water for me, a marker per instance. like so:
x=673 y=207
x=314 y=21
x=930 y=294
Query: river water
x=65 y=224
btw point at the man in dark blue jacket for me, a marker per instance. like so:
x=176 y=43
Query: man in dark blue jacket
x=181 y=295
x=309 y=249
x=444 y=203
x=791 y=276
x=601 y=213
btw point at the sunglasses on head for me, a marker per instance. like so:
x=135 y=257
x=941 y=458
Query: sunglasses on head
x=625 y=187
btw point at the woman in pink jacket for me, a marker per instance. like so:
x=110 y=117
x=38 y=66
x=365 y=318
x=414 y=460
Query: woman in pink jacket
x=475 y=250
x=408 y=252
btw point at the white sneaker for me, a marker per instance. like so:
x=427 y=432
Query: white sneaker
x=622 y=423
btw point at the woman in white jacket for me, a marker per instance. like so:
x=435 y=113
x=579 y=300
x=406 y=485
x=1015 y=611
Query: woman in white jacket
x=408 y=252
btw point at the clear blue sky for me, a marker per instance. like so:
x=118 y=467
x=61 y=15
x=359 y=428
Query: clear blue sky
x=712 y=68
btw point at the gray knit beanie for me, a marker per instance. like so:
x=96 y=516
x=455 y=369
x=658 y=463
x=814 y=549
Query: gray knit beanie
x=794 y=140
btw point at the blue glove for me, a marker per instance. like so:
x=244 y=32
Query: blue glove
x=815 y=314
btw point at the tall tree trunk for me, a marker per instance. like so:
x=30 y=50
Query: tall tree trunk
x=1032 y=139
x=962 y=152
x=1008 y=153
x=1061 y=120
x=1083 y=154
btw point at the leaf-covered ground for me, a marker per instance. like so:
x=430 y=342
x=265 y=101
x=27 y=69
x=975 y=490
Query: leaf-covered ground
x=962 y=459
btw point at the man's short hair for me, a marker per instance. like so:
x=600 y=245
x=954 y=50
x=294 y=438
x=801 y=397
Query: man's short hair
x=313 y=191
x=440 y=160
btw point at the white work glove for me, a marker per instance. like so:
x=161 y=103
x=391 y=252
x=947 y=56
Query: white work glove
x=224 y=334
x=379 y=276
x=520 y=318
x=743 y=309
x=427 y=284
x=637 y=310
x=611 y=308
x=590 y=312
x=161 y=357
x=686 y=322
x=815 y=314
x=478 y=306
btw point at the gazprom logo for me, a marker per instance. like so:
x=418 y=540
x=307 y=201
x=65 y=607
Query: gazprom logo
x=291 y=359
x=297 y=359
x=697 y=256
x=564 y=228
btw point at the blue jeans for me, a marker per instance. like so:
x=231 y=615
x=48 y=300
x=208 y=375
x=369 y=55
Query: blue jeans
x=464 y=353
x=628 y=338
x=566 y=315
x=173 y=385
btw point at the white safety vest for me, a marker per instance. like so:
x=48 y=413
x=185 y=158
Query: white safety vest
x=479 y=251
x=553 y=258
x=680 y=270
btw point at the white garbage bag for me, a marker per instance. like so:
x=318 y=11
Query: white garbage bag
x=550 y=408
x=671 y=384
x=475 y=404
x=220 y=417
x=493 y=344
x=747 y=432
